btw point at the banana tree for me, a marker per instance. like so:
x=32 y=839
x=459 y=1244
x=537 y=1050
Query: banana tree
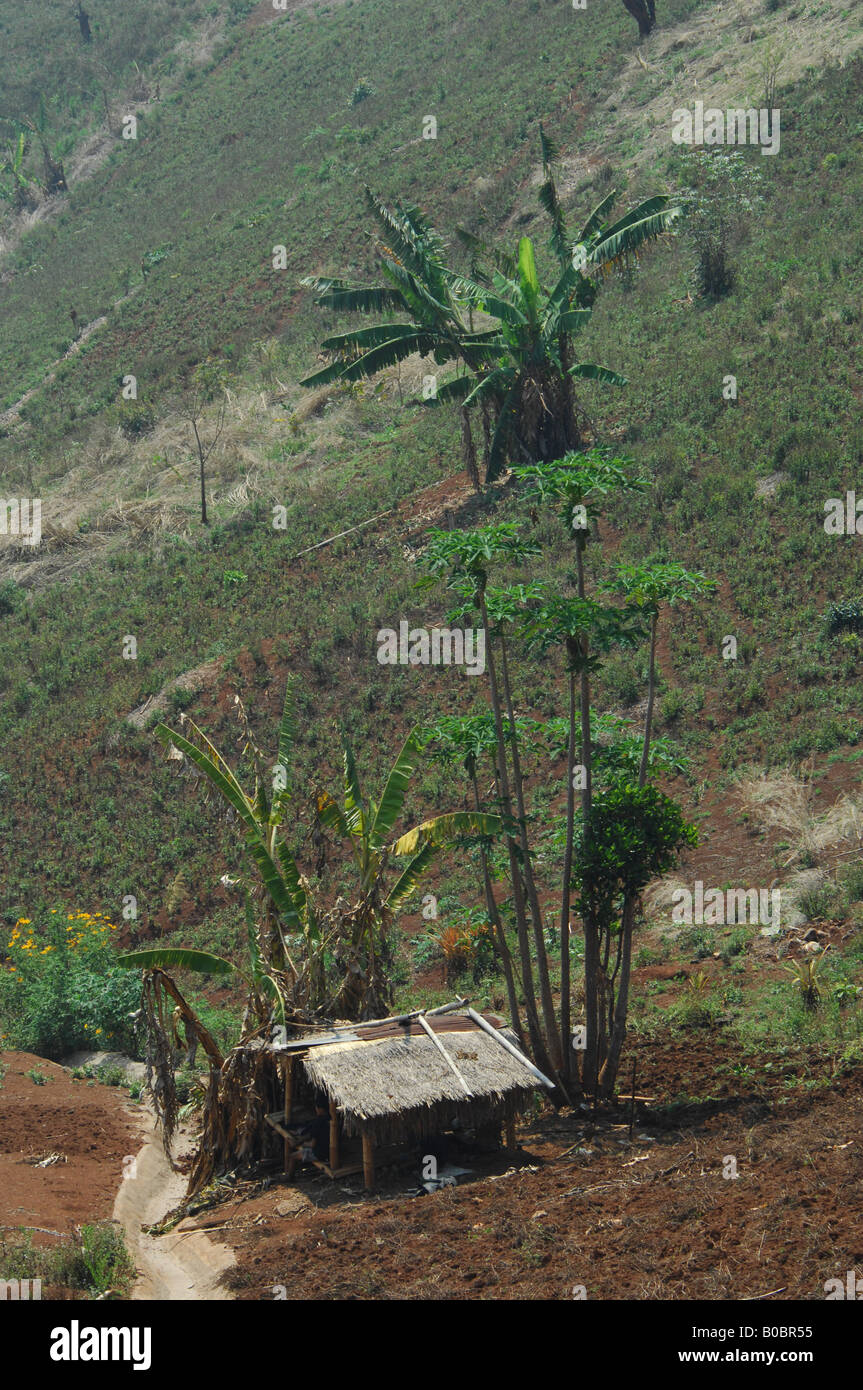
x=518 y=368
x=265 y=987
x=416 y=284
x=19 y=193
x=287 y=906
x=366 y=827
x=531 y=383
x=417 y=287
x=293 y=938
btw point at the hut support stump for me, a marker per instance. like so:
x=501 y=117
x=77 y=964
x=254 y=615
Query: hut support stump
x=289 y=1090
x=368 y=1163
x=510 y=1133
x=334 y=1137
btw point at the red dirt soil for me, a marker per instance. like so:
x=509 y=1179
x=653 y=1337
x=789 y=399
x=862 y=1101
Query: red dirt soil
x=652 y=1220
x=92 y=1128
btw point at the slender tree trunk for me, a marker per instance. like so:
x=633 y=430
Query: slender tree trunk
x=651 y=692
x=591 y=937
x=201 y=462
x=500 y=934
x=608 y=1075
x=535 y=1032
x=469 y=451
x=548 y=1013
x=565 y=987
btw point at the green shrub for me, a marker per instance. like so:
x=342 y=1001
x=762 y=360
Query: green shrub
x=852 y=882
x=11 y=597
x=97 y=1260
x=60 y=989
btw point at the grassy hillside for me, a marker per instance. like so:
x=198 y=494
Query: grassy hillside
x=270 y=141
x=255 y=149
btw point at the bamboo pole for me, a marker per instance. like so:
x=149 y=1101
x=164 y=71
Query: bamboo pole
x=505 y=1042
x=369 y=1162
x=348 y=1034
x=349 y=532
x=442 y=1050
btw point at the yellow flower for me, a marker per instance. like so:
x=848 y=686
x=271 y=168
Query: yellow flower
x=98 y=1031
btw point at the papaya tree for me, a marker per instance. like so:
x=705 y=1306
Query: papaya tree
x=647 y=587
x=628 y=832
x=464 y=559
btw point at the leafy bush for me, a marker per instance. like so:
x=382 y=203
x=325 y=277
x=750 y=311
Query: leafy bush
x=818 y=900
x=724 y=191
x=467 y=945
x=97 y=1260
x=852 y=882
x=362 y=91
x=60 y=988
x=11 y=597
x=844 y=617
x=136 y=419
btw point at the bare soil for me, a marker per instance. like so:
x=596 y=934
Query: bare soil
x=91 y=1128
x=581 y=1205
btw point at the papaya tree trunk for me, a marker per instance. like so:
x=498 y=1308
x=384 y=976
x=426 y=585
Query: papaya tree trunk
x=547 y=999
x=565 y=986
x=651 y=692
x=590 y=1063
x=534 y=1031
x=611 y=1065
x=500 y=935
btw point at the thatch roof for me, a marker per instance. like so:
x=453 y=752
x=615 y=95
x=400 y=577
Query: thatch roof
x=400 y=1084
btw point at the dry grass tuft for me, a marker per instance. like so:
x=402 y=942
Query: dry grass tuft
x=785 y=800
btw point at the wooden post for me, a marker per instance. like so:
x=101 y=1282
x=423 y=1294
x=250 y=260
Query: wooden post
x=289 y=1091
x=289 y=1088
x=334 y=1137
x=510 y=1132
x=368 y=1162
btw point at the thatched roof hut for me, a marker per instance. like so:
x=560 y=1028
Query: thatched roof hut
x=401 y=1080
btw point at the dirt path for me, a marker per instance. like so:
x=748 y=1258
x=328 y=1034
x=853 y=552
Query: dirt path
x=8 y=416
x=184 y=1264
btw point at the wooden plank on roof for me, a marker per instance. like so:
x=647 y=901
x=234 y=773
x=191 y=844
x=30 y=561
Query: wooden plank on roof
x=447 y=1024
